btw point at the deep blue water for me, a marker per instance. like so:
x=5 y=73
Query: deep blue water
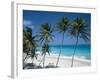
x=82 y=51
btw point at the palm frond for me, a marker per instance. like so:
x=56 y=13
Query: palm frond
x=80 y=27
x=63 y=25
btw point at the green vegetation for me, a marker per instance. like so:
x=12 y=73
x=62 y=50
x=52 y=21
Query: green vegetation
x=29 y=44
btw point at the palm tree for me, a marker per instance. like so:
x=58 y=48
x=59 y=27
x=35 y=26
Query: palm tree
x=34 y=47
x=29 y=44
x=79 y=29
x=46 y=36
x=45 y=49
x=62 y=27
x=25 y=45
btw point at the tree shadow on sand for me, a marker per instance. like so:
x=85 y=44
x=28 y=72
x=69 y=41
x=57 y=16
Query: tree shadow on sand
x=34 y=66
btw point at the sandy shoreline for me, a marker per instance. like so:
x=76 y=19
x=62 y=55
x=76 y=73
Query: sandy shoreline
x=64 y=61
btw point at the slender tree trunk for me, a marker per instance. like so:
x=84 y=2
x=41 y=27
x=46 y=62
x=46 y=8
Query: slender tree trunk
x=32 y=60
x=74 y=51
x=44 y=60
x=44 y=55
x=60 y=50
x=24 y=60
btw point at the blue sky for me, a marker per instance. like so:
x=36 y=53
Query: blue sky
x=34 y=19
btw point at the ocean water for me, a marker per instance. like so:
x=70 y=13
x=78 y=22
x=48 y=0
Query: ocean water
x=82 y=51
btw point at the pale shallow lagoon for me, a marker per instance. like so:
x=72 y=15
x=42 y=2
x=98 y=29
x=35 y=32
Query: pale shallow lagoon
x=82 y=51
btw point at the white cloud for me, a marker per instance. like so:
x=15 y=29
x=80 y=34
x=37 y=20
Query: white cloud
x=31 y=26
x=28 y=23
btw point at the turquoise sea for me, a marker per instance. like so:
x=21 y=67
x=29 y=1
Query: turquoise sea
x=82 y=51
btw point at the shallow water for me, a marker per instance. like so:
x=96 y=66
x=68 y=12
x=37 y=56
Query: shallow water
x=82 y=51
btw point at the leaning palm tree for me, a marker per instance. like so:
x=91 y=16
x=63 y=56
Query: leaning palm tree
x=62 y=27
x=34 y=47
x=29 y=44
x=46 y=36
x=80 y=29
x=26 y=46
x=45 y=49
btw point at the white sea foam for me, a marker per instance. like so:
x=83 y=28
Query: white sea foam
x=80 y=58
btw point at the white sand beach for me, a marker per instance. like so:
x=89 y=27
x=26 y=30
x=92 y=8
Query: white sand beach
x=64 y=61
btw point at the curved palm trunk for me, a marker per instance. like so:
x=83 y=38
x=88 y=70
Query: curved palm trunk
x=44 y=56
x=43 y=60
x=60 y=50
x=32 y=60
x=24 y=61
x=74 y=51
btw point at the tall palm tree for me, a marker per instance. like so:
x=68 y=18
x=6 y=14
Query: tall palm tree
x=29 y=44
x=80 y=29
x=46 y=36
x=25 y=45
x=62 y=27
x=34 y=47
